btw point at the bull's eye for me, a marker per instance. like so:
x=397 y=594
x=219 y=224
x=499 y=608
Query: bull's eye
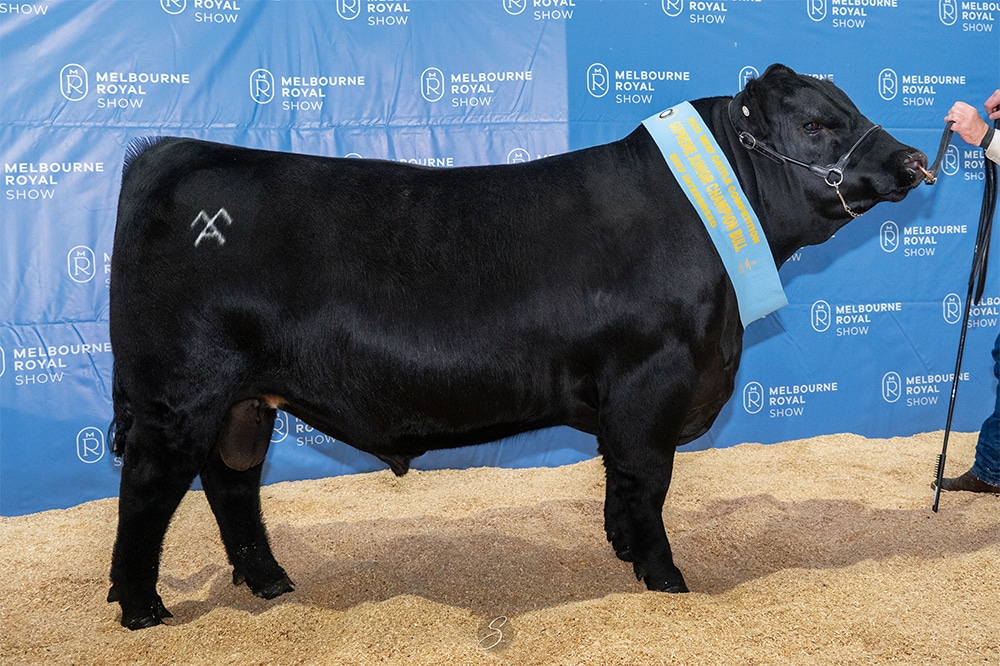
x=813 y=127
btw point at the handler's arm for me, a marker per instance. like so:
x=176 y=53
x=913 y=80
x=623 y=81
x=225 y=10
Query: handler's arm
x=991 y=143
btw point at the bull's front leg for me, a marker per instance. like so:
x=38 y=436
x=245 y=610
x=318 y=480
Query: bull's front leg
x=638 y=445
x=634 y=524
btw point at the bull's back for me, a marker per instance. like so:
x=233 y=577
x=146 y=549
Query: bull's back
x=200 y=218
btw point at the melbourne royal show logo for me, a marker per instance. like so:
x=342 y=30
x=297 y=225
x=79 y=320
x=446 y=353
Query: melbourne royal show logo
x=90 y=445
x=948 y=11
x=81 y=264
x=699 y=11
x=280 y=427
x=951 y=308
x=515 y=7
x=916 y=88
x=820 y=316
x=746 y=75
x=349 y=9
x=518 y=156
x=816 y=9
x=471 y=88
x=261 y=86
x=206 y=11
x=888 y=84
x=598 y=80
x=377 y=13
x=74 y=82
x=888 y=236
x=432 y=84
x=951 y=161
x=976 y=16
x=114 y=89
x=672 y=8
x=173 y=6
x=753 y=397
x=850 y=14
x=892 y=387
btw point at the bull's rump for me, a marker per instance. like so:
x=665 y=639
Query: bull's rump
x=390 y=302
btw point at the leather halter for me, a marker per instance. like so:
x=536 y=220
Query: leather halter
x=832 y=174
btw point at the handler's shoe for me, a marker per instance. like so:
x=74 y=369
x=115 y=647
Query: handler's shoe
x=968 y=482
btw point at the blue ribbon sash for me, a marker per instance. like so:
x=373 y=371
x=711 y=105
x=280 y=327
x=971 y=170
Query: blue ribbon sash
x=706 y=177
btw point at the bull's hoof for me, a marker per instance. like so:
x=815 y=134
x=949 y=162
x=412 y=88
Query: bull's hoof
x=672 y=584
x=275 y=589
x=144 y=622
x=142 y=618
x=262 y=589
x=671 y=588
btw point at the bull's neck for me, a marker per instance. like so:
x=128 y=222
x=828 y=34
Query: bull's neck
x=758 y=175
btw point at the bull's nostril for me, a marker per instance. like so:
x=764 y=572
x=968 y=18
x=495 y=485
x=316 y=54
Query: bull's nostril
x=915 y=164
x=914 y=167
x=916 y=160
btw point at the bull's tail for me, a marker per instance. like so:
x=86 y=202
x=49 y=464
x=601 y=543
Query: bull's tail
x=123 y=416
x=136 y=148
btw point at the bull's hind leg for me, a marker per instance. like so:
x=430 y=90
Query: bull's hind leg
x=638 y=445
x=156 y=473
x=233 y=492
x=235 y=499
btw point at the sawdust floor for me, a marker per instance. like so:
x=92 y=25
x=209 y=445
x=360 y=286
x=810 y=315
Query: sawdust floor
x=821 y=551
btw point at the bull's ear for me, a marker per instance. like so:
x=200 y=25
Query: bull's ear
x=778 y=69
x=751 y=108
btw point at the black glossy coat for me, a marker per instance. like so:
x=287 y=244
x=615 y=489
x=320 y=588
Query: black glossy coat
x=402 y=309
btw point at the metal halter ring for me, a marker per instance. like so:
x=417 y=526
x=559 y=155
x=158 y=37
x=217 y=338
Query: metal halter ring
x=834 y=171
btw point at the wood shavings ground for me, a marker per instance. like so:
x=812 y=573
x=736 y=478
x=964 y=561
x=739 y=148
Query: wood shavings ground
x=817 y=551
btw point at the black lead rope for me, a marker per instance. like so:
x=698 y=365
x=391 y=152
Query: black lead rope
x=930 y=175
x=977 y=280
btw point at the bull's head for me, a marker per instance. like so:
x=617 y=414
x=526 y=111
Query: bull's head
x=840 y=160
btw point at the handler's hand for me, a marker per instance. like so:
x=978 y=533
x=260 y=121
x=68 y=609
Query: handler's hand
x=968 y=124
x=993 y=105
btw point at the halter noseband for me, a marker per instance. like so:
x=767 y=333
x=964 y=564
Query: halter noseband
x=832 y=174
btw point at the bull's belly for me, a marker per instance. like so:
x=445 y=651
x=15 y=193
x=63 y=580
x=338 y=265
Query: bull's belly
x=409 y=415
x=411 y=424
x=400 y=394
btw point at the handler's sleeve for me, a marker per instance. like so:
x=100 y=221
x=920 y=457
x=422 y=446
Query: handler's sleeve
x=991 y=143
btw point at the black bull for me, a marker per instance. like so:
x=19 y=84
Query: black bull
x=402 y=309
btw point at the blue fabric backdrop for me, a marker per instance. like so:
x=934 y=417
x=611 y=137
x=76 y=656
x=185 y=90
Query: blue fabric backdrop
x=866 y=345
